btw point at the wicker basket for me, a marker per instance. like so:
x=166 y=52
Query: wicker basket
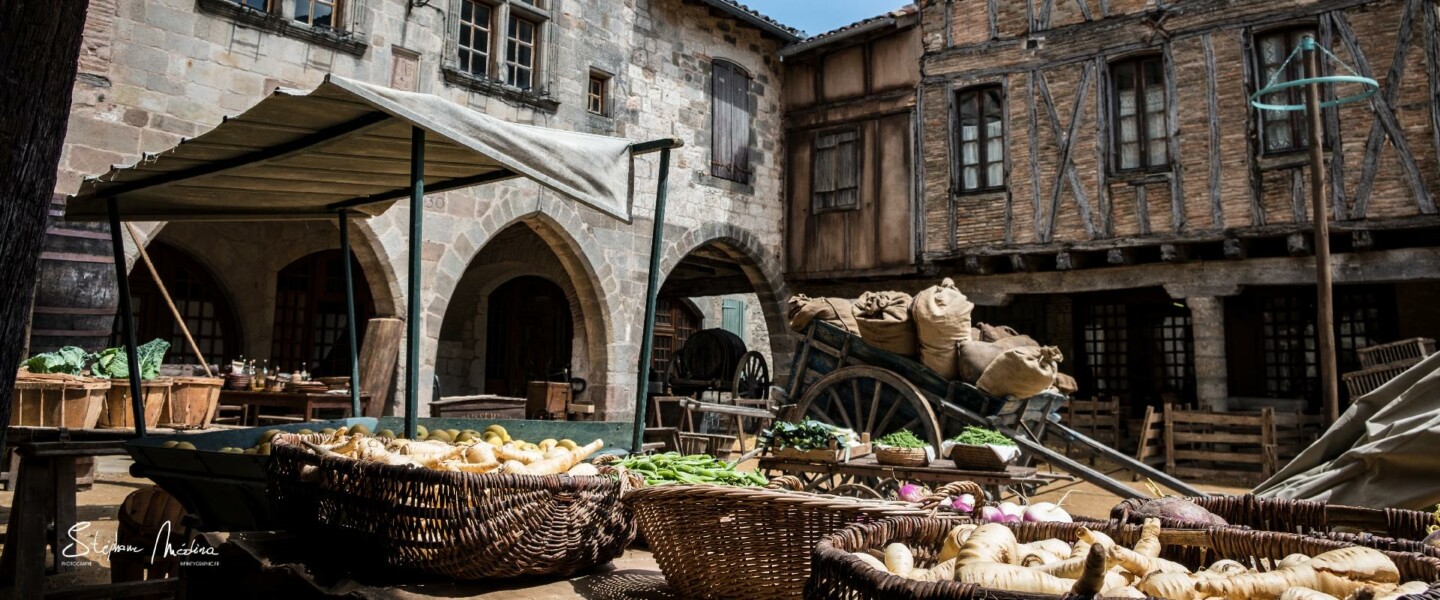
x=729 y=542
x=976 y=457
x=902 y=457
x=119 y=415
x=54 y=400
x=421 y=522
x=193 y=401
x=839 y=575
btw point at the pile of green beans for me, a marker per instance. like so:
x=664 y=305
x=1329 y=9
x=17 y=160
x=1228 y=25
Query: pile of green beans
x=672 y=467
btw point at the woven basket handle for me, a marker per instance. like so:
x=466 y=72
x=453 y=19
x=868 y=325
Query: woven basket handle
x=954 y=488
x=789 y=483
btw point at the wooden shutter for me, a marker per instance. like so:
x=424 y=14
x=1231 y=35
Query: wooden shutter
x=729 y=122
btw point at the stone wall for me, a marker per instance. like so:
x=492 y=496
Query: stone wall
x=155 y=72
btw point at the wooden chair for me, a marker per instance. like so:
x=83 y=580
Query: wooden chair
x=1150 y=448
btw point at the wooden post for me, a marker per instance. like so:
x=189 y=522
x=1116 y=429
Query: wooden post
x=175 y=312
x=412 y=302
x=1325 y=319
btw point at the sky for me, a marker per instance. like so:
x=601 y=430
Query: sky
x=819 y=16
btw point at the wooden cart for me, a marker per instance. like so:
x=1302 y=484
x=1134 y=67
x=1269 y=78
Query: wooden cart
x=837 y=378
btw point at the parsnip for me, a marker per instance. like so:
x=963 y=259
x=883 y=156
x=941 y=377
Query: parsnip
x=954 y=540
x=1014 y=578
x=989 y=543
x=1300 y=593
x=1141 y=565
x=1292 y=560
x=1223 y=568
x=899 y=560
x=1270 y=585
x=944 y=571
x=1123 y=592
x=1409 y=587
x=1092 y=576
x=1149 y=544
x=1358 y=563
x=870 y=560
x=1172 y=586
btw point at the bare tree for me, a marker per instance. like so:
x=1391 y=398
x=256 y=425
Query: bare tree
x=37 y=71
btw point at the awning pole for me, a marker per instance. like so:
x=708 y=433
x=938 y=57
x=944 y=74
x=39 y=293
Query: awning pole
x=412 y=303
x=344 y=216
x=127 y=316
x=652 y=290
x=1324 y=307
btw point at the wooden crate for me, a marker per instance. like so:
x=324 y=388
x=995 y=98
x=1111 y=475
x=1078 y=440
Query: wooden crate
x=546 y=400
x=833 y=454
x=1204 y=444
x=1394 y=352
x=52 y=400
x=485 y=406
x=1098 y=419
x=1364 y=381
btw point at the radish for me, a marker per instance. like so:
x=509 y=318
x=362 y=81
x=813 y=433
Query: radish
x=948 y=503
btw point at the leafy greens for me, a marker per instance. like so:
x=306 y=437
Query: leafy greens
x=111 y=362
x=69 y=360
x=901 y=439
x=976 y=436
x=808 y=434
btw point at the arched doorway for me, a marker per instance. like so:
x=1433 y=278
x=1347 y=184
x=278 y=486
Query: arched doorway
x=310 y=317
x=529 y=335
x=201 y=301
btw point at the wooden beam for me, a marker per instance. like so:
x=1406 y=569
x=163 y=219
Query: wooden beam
x=1212 y=99
x=1024 y=263
x=1172 y=143
x=1142 y=209
x=706 y=286
x=1034 y=148
x=1252 y=134
x=1339 y=200
x=1067 y=164
x=312 y=141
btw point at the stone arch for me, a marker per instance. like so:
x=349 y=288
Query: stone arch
x=762 y=269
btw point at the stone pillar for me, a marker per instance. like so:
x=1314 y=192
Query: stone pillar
x=1207 y=324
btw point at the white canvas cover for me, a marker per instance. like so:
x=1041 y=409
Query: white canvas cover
x=297 y=155
x=1384 y=452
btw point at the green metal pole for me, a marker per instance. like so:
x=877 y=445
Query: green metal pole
x=127 y=316
x=350 y=313
x=412 y=303
x=652 y=290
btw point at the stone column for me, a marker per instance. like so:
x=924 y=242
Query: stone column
x=1207 y=328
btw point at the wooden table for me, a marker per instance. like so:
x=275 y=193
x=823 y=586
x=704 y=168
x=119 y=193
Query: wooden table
x=307 y=405
x=939 y=472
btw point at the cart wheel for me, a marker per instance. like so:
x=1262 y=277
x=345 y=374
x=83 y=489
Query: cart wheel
x=870 y=400
x=752 y=378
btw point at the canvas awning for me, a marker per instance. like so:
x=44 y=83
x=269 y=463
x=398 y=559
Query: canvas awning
x=347 y=144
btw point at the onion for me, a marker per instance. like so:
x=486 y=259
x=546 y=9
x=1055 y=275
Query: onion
x=912 y=493
x=1012 y=512
x=964 y=503
x=1047 y=512
x=990 y=513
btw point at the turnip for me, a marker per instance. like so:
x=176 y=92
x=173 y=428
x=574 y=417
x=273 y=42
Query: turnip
x=1044 y=512
x=964 y=503
x=1174 y=509
x=990 y=513
x=1012 y=512
x=912 y=493
x=948 y=503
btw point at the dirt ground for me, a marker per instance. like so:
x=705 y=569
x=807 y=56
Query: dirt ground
x=635 y=575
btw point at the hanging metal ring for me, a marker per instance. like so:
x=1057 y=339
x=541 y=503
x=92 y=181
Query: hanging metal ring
x=1371 y=86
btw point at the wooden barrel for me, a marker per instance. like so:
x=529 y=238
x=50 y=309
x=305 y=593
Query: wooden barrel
x=75 y=293
x=142 y=516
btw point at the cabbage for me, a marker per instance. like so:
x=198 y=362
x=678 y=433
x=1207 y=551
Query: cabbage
x=111 y=363
x=68 y=360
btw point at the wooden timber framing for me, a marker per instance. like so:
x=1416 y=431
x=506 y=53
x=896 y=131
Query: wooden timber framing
x=1227 y=196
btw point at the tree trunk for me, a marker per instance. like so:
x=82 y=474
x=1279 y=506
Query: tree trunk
x=37 y=71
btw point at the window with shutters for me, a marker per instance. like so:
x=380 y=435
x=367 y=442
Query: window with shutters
x=836 y=170
x=729 y=122
x=1281 y=131
x=981 y=120
x=1141 y=130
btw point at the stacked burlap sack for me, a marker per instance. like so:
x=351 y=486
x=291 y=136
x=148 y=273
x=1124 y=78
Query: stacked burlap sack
x=935 y=326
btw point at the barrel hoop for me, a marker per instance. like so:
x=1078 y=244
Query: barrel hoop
x=78 y=233
x=70 y=333
x=73 y=257
x=66 y=310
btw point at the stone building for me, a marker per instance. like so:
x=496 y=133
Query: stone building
x=519 y=284
x=1091 y=173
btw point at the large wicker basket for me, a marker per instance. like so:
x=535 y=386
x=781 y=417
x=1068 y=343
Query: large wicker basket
x=118 y=413
x=1382 y=528
x=837 y=574
x=730 y=542
x=409 y=522
x=54 y=400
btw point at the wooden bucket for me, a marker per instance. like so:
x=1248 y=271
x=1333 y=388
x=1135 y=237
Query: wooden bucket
x=52 y=400
x=117 y=413
x=75 y=292
x=193 y=401
x=141 y=523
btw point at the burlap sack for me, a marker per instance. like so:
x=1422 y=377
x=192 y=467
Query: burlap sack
x=976 y=355
x=884 y=321
x=991 y=333
x=942 y=318
x=835 y=311
x=1066 y=384
x=1021 y=372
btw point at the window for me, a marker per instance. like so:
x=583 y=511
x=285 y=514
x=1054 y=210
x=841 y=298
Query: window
x=836 y=170
x=473 y=45
x=201 y=302
x=260 y=5
x=309 y=329
x=1281 y=131
x=1173 y=353
x=318 y=13
x=675 y=322
x=729 y=122
x=982 y=139
x=1106 y=348
x=520 y=53
x=597 y=96
x=1141 y=131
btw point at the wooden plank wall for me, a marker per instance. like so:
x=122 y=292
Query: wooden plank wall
x=1052 y=57
x=869 y=86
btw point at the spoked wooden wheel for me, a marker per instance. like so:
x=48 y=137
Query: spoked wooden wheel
x=870 y=400
x=752 y=378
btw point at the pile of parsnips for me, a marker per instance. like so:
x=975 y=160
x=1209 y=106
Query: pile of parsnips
x=990 y=556
x=484 y=454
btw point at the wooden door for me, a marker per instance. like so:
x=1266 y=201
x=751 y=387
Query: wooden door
x=529 y=336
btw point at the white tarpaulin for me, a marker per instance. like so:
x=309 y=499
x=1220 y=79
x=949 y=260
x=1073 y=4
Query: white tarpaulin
x=347 y=144
x=1384 y=452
